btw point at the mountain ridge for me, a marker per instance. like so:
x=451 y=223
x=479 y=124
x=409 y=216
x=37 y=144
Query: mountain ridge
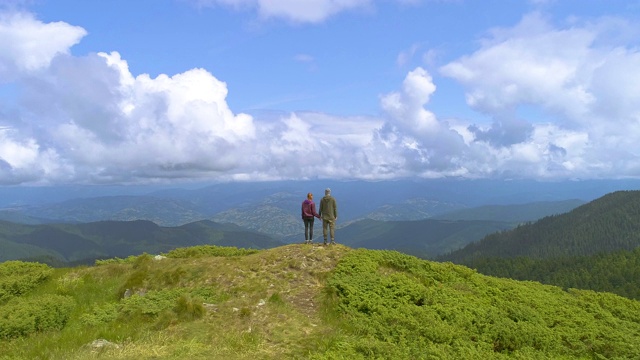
x=85 y=242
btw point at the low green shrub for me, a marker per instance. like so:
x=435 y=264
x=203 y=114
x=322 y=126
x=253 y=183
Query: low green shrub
x=17 y=278
x=100 y=314
x=209 y=250
x=128 y=260
x=398 y=306
x=150 y=304
x=210 y=294
x=22 y=317
x=184 y=305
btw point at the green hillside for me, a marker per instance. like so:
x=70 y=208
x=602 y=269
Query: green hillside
x=423 y=238
x=610 y=223
x=83 y=243
x=301 y=302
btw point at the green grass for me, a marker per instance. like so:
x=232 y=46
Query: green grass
x=306 y=302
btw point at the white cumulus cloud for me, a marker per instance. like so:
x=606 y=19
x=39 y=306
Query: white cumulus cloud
x=28 y=45
x=578 y=77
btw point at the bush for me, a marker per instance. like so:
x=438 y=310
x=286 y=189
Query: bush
x=154 y=303
x=209 y=250
x=22 y=317
x=128 y=260
x=100 y=315
x=151 y=304
x=17 y=278
x=398 y=306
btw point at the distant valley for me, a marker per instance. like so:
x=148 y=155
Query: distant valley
x=273 y=208
x=426 y=219
x=131 y=230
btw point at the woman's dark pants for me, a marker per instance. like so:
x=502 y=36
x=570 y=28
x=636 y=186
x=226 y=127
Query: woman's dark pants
x=308 y=229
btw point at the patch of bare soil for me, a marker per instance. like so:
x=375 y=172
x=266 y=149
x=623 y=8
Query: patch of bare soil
x=309 y=265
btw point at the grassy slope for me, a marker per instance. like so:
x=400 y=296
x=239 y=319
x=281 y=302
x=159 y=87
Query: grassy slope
x=310 y=302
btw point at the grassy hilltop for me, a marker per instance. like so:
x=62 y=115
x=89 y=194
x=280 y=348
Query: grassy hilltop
x=301 y=302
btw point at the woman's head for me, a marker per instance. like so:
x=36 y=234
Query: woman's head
x=309 y=196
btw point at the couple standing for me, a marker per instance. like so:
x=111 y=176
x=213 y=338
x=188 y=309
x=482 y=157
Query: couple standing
x=328 y=212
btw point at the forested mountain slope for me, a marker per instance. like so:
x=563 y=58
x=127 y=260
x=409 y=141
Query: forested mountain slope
x=616 y=272
x=607 y=224
x=596 y=247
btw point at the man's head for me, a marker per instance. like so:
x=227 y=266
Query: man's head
x=327 y=191
x=309 y=196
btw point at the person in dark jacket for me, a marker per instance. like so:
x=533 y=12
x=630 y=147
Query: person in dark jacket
x=329 y=215
x=308 y=215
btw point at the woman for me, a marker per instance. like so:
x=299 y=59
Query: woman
x=308 y=214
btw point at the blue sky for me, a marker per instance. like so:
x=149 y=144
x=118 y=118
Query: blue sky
x=157 y=91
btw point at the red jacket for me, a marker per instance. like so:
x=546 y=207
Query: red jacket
x=309 y=209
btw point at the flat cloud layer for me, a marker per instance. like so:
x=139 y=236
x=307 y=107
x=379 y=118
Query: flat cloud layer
x=564 y=103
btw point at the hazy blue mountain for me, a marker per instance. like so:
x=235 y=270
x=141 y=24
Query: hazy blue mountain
x=18 y=215
x=356 y=199
x=12 y=196
x=274 y=207
x=516 y=213
x=413 y=209
x=78 y=243
x=267 y=219
x=162 y=211
x=214 y=198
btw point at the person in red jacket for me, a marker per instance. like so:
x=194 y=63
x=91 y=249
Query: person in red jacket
x=308 y=215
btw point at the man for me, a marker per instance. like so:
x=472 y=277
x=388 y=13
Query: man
x=308 y=214
x=329 y=214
